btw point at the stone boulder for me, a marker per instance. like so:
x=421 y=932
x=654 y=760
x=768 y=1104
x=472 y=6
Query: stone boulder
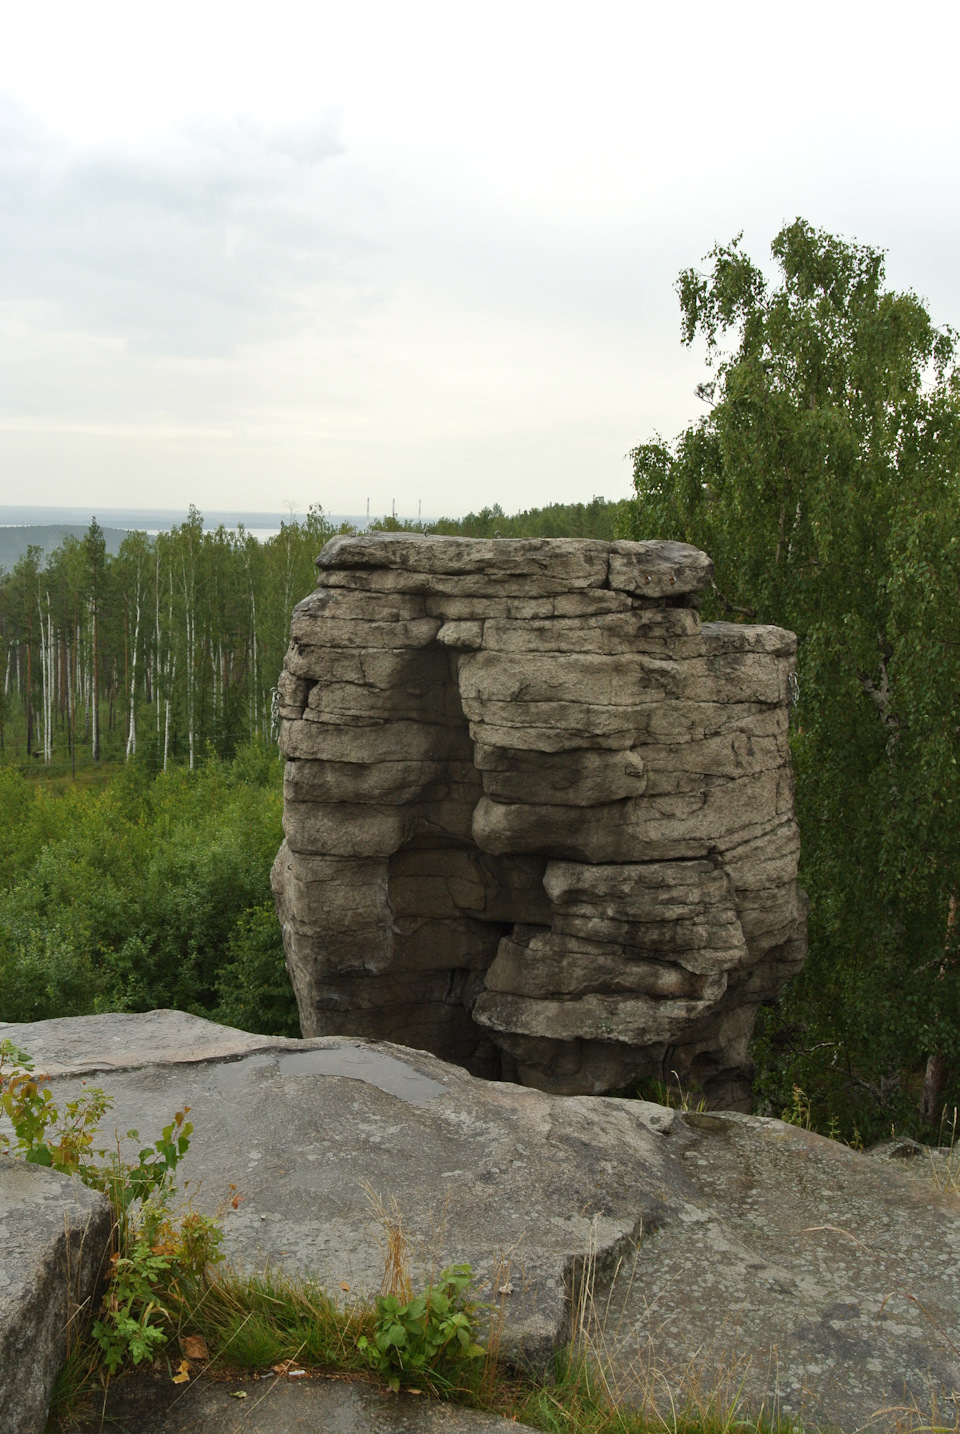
x=54 y=1242
x=723 y=1257
x=539 y=819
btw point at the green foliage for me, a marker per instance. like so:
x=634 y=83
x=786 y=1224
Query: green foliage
x=596 y=519
x=253 y=985
x=824 y=482
x=45 y=1135
x=799 y=1112
x=127 y=1330
x=417 y=1338
x=264 y=1319
x=62 y=1139
x=163 y=1264
x=153 y=891
x=673 y=1094
x=158 y=1259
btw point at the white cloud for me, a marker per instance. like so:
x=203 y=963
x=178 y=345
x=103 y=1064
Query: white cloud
x=220 y=237
x=421 y=251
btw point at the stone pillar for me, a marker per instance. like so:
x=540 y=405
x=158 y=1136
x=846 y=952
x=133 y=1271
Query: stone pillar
x=539 y=819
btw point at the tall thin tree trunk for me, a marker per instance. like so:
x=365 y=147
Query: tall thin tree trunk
x=166 y=734
x=72 y=703
x=937 y=1073
x=29 y=704
x=132 y=720
x=935 y=1079
x=95 y=690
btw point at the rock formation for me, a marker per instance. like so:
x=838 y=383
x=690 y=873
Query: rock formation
x=538 y=817
x=741 y=1264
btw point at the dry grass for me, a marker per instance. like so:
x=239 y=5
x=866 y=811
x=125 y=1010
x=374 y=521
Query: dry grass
x=602 y=1382
x=942 y=1165
x=606 y=1384
x=938 y=1165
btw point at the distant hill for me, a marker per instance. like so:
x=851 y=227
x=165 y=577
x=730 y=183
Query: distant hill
x=14 y=541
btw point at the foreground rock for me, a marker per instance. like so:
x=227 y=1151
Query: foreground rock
x=736 y=1258
x=321 y=1138
x=798 y=1274
x=54 y=1239
x=148 y=1403
x=538 y=819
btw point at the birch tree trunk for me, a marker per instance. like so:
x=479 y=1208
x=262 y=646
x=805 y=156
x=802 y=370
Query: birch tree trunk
x=132 y=719
x=937 y=1072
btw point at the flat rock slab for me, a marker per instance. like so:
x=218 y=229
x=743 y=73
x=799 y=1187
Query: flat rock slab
x=321 y=1138
x=757 y=1262
x=147 y=1403
x=54 y=1239
x=802 y=1275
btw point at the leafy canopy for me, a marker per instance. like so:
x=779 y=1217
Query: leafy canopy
x=823 y=481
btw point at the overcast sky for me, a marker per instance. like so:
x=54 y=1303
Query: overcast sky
x=257 y=254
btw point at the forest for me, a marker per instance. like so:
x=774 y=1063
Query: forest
x=171 y=647
x=140 y=784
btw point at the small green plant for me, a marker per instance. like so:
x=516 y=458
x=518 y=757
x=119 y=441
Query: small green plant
x=417 y=1337
x=800 y=1110
x=158 y=1259
x=45 y=1135
x=161 y=1269
x=63 y=1140
x=128 y=1327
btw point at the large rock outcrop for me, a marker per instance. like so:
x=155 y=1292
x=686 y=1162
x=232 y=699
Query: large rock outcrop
x=741 y=1264
x=538 y=817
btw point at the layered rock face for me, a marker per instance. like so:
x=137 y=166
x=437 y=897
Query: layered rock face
x=539 y=819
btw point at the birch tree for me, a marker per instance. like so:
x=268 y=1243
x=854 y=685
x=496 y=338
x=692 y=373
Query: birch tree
x=134 y=557
x=95 y=550
x=823 y=480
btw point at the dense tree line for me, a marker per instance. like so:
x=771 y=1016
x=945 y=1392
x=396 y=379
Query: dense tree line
x=172 y=646
x=167 y=649
x=824 y=480
x=599 y=518
x=152 y=889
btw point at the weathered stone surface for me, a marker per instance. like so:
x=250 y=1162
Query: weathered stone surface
x=308 y=630
x=652 y=629
x=492 y=679
x=325 y=782
x=549 y=560
x=54 y=1242
x=510 y=1180
x=645 y=828
x=657 y=569
x=740 y=1261
x=459 y=713
x=146 y=1402
x=586 y=603
x=581 y=778
x=806 y=1279
x=369 y=742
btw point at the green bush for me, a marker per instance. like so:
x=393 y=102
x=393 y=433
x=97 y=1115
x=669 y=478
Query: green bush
x=418 y=1337
x=153 y=891
x=254 y=988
